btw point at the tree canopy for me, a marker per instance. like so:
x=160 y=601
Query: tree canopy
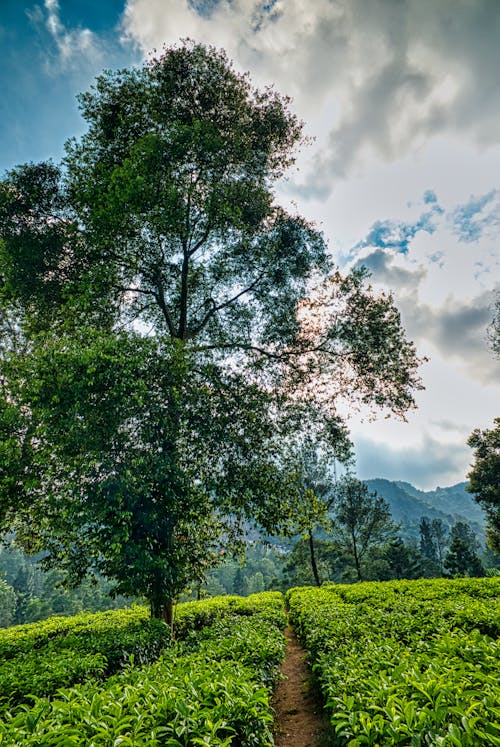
x=168 y=327
x=462 y=558
x=361 y=520
x=484 y=478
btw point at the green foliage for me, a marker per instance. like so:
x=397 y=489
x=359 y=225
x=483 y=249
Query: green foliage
x=427 y=544
x=196 y=615
x=137 y=453
x=485 y=477
x=74 y=649
x=23 y=679
x=22 y=639
x=154 y=465
x=246 y=640
x=361 y=520
x=315 y=492
x=332 y=563
x=7 y=604
x=462 y=558
x=40 y=594
x=212 y=688
x=397 y=560
x=262 y=564
x=407 y=662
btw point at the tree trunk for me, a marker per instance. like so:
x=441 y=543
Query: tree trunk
x=163 y=610
x=356 y=557
x=313 y=560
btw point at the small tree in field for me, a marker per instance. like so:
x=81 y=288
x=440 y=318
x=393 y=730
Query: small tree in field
x=170 y=341
x=315 y=492
x=361 y=520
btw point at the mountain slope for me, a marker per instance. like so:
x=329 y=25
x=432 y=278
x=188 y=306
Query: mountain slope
x=455 y=500
x=408 y=504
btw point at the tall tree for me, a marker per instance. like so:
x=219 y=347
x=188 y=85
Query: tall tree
x=404 y=560
x=166 y=309
x=440 y=533
x=362 y=520
x=484 y=478
x=315 y=494
x=427 y=542
x=462 y=558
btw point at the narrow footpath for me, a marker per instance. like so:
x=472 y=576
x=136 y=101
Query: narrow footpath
x=299 y=717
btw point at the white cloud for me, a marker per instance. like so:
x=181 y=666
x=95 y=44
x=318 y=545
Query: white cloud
x=401 y=98
x=444 y=270
x=371 y=78
x=431 y=448
x=427 y=464
x=72 y=46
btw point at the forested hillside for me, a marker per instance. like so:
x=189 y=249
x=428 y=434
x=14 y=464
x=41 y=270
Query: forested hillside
x=408 y=504
x=29 y=593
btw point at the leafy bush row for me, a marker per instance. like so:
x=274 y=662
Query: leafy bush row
x=22 y=639
x=404 y=609
x=72 y=650
x=191 y=616
x=406 y=663
x=210 y=689
x=66 y=660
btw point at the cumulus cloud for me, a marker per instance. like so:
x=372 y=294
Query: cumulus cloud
x=382 y=77
x=458 y=330
x=445 y=290
x=385 y=272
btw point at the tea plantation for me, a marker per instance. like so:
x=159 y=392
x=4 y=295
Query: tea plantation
x=130 y=684
x=410 y=663
x=406 y=662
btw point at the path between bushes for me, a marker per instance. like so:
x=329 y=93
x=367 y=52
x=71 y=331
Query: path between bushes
x=299 y=716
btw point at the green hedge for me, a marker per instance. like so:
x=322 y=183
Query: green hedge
x=22 y=639
x=191 y=616
x=406 y=663
x=39 y=658
x=93 y=653
x=211 y=688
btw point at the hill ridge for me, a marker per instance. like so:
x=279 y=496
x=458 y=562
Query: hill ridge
x=408 y=504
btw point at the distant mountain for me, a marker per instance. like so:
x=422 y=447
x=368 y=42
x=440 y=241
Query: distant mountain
x=455 y=500
x=408 y=505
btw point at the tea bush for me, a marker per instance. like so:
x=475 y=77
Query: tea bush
x=406 y=663
x=70 y=650
x=210 y=688
x=22 y=639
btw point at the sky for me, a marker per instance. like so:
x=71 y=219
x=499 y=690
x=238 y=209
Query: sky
x=401 y=99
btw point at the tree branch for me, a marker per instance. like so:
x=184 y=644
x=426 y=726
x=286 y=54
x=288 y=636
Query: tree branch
x=181 y=334
x=215 y=308
x=160 y=299
x=144 y=291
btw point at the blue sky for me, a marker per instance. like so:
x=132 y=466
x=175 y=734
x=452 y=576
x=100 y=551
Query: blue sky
x=403 y=103
x=46 y=59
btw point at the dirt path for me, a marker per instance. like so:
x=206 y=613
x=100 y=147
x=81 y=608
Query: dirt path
x=299 y=718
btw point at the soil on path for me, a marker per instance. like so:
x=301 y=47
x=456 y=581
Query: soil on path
x=299 y=716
